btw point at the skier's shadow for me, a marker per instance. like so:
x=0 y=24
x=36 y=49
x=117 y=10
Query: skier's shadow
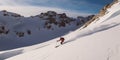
x=69 y=41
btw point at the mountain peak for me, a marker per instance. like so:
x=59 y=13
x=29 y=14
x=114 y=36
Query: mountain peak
x=6 y=13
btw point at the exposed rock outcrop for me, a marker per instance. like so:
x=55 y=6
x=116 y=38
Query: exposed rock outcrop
x=102 y=12
x=61 y=20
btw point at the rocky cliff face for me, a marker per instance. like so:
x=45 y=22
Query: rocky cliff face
x=52 y=17
x=61 y=20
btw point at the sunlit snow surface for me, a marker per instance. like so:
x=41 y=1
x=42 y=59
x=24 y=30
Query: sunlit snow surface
x=99 y=41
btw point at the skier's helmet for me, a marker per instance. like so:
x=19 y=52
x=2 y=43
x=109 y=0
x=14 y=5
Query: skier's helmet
x=61 y=38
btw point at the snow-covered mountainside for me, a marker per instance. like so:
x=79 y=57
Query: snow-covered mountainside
x=19 y=31
x=97 y=41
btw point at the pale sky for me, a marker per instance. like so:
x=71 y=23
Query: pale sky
x=71 y=7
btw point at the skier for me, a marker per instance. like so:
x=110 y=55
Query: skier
x=61 y=40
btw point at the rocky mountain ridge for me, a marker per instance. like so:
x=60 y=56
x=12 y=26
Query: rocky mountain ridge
x=102 y=12
x=19 y=31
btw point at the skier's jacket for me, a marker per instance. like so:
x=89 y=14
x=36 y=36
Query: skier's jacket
x=61 y=40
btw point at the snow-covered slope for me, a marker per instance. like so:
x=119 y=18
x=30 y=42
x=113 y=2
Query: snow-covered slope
x=98 y=41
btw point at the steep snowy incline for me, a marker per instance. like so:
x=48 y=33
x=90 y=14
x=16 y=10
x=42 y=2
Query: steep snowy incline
x=111 y=13
x=98 y=41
